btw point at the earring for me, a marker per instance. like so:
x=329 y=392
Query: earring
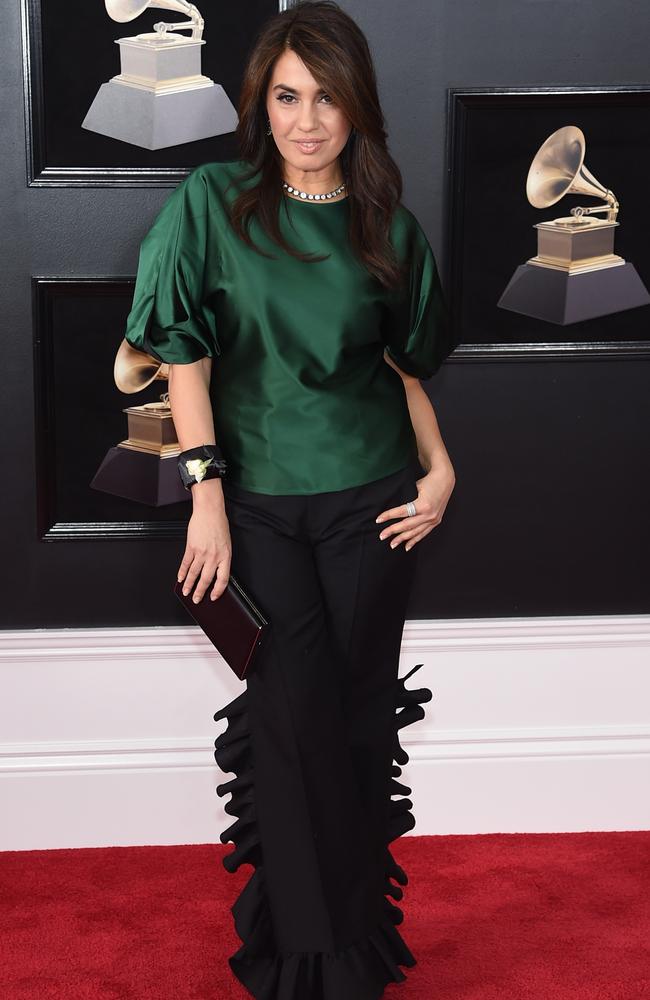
x=269 y=130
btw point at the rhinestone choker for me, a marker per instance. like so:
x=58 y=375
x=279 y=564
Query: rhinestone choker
x=312 y=197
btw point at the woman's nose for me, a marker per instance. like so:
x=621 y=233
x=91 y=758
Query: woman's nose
x=308 y=119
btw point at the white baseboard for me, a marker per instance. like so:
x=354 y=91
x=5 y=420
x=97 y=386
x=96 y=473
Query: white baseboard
x=538 y=725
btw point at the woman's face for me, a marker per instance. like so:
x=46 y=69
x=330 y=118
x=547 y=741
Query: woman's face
x=299 y=110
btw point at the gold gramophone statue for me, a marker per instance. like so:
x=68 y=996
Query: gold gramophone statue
x=143 y=466
x=575 y=274
x=160 y=98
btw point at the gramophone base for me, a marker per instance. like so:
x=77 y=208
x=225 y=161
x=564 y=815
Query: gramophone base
x=142 y=477
x=151 y=121
x=557 y=297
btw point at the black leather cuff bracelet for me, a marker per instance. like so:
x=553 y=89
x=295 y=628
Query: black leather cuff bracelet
x=204 y=462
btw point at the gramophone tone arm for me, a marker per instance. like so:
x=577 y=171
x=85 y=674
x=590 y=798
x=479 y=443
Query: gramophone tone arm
x=611 y=207
x=196 y=23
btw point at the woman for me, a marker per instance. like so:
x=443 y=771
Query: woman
x=271 y=285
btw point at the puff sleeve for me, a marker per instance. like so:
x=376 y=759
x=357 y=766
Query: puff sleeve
x=417 y=333
x=168 y=317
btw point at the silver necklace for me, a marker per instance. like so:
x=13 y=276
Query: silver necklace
x=312 y=197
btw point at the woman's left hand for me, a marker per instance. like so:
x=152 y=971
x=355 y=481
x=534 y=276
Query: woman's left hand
x=434 y=490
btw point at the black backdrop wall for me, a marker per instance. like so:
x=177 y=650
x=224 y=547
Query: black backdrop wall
x=550 y=511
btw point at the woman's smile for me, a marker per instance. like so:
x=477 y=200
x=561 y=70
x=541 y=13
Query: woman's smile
x=309 y=146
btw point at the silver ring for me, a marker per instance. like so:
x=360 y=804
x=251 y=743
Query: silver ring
x=410 y=508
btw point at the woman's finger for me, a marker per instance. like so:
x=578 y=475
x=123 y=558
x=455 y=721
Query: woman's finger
x=223 y=575
x=418 y=538
x=193 y=572
x=207 y=575
x=408 y=522
x=400 y=511
x=186 y=562
x=406 y=534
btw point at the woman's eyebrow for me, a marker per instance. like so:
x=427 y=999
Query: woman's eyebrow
x=283 y=86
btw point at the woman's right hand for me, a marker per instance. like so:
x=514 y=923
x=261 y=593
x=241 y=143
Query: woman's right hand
x=208 y=549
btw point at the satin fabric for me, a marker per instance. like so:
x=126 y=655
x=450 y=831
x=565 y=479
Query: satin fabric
x=303 y=399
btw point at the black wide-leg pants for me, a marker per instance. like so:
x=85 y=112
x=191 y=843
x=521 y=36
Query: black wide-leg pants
x=313 y=742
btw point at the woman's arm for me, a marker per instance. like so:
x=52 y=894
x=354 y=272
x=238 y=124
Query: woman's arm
x=208 y=549
x=431 y=448
x=435 y=488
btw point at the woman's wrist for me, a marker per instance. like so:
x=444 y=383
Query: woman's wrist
x=207 y=493
x=200 y=464
x=437 y=463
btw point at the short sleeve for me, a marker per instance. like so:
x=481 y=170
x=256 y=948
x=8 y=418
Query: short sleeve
x=417 y=332
x=168 y=317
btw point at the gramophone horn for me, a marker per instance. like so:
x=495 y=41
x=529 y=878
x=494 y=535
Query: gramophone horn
x=125 y=10
x=133 y=369
x=558 y=169
x=128 y=10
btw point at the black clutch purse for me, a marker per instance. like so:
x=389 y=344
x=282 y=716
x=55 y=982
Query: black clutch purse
x=233 y=623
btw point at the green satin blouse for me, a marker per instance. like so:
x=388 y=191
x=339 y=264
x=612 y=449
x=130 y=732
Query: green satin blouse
x=302 y=397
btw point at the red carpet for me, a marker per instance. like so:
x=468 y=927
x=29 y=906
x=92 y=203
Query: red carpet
x=493 y=917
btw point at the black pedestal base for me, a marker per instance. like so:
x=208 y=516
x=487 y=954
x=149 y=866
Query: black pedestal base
x=135 y=475
x=558 y=297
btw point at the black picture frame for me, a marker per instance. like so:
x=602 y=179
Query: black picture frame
x=78 y=327
x=492 y=137
x=68 y=51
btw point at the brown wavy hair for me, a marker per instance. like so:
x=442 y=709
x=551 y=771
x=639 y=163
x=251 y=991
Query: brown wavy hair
x=336 y=53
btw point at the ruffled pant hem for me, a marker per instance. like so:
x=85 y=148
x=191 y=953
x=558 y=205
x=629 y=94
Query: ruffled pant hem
x=358 y=972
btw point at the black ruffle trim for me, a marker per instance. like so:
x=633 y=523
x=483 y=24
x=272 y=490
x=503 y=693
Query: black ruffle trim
x=358 y=972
